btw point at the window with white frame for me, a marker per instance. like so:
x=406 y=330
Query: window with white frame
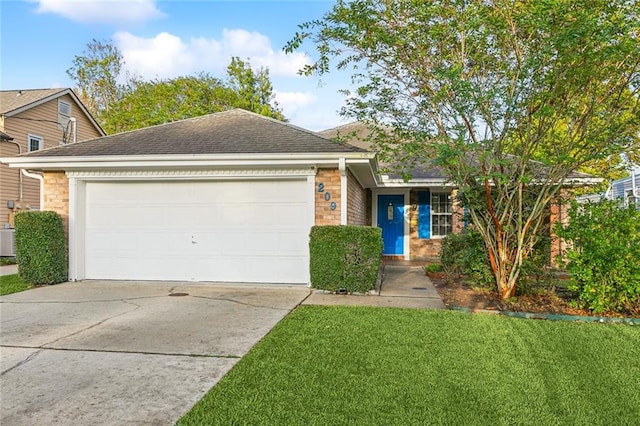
x=441 y=214
x=35 y=143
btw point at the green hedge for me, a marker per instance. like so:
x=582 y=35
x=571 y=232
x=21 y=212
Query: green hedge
x=604 y=256
x=41 y=247
x=345 y=258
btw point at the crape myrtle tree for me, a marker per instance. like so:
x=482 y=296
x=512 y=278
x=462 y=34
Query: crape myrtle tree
x=508 y=98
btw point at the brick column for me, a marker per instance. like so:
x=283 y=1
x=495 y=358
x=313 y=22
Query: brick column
x=56 y=195
x=558 y=212
x=330 y=181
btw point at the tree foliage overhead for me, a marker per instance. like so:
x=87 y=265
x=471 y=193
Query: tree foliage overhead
x=122 y=103
x=508 y=97
x=254 y=91
x=96 y=73
x=147 y=103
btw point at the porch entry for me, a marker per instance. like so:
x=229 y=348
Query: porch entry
x=391 y=221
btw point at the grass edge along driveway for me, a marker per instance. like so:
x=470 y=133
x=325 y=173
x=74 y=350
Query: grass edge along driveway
x=344 y=365
x=12 y=284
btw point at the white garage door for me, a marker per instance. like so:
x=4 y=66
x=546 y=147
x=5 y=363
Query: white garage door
x=234 y=231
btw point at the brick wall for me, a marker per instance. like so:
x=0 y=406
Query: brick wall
x=358 y=202
x=558 y=212
x=458 y=214
x=330 y=179
x=420 y=248
x=56 y=195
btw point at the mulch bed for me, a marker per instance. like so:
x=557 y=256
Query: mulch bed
x=457 y=293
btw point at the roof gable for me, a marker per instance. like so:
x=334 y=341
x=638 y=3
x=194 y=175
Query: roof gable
x=230 y=132
x=13 y=102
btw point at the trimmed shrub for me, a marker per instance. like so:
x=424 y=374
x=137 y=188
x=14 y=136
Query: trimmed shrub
x=465 y=254
x=604 y=258
x=41 y=247
x=345 y=258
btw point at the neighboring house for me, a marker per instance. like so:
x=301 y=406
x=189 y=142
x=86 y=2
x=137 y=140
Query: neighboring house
x=228 y=197
x=626 y=189
x=32 y=120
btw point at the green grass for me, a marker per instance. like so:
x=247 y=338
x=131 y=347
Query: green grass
x=381 y=366
x=12 y=284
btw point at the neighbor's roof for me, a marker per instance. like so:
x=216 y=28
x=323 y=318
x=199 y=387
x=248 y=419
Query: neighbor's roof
x=13 y=102
x=230 y=132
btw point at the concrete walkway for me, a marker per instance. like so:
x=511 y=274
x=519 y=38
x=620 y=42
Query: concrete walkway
x=402 y=287
x=8 y=269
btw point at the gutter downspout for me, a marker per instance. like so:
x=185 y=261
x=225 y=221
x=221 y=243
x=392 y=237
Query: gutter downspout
x=74 y=127
x=41 y=179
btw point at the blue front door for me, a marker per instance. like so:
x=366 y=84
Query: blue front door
x=391 y=220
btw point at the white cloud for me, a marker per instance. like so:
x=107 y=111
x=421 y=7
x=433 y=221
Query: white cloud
x=166 y=55
x=102 y=11
x=292 y=101
x=163 y=56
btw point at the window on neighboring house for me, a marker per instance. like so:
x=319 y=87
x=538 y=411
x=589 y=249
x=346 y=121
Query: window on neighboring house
x=64 y=114
x=64 y=108
x=35 y=143
x=441 y=214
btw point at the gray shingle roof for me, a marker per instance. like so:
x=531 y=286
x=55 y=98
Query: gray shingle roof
x=11 y=100
x=356 y=134
x=230 y=132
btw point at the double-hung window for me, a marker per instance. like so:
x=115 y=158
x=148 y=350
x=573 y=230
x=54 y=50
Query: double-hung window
x=441 y=214
x=35 y=143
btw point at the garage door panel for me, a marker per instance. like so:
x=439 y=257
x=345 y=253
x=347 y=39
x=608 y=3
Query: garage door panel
x=244 y=231
x=292 y=216
x=143 y=269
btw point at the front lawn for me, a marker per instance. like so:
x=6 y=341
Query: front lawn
x=12 y=284
x=356 y=365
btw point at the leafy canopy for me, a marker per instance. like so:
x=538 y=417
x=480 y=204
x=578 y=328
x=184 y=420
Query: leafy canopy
x=121 y=103
x=508 y=98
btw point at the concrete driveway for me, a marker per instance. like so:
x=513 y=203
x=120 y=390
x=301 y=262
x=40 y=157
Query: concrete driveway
x=126 y=352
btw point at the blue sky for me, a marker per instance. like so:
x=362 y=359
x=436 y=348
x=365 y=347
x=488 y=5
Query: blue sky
x=163 y=39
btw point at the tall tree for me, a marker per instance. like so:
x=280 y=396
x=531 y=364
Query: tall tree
x=121 y=104
x=508 y=97
x=147 y=103
x=253 y=88
x=95 y=73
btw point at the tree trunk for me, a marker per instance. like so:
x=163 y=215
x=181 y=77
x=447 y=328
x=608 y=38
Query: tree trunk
x=505 y=282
